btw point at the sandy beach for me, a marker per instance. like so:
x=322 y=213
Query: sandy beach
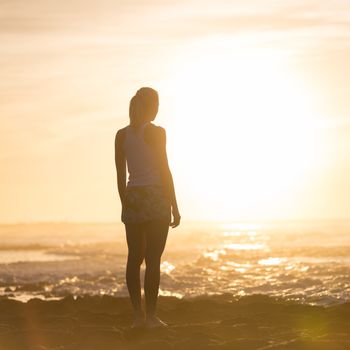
x=207 y=322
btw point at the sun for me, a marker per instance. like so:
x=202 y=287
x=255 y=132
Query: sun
x=245 y=131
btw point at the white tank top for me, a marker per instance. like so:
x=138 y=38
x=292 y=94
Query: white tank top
x=140 y=159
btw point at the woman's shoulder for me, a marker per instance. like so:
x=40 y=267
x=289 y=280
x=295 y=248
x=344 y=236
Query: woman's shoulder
x=155 y=130
x=120 y=134
x=154 y=133
x=121 y=131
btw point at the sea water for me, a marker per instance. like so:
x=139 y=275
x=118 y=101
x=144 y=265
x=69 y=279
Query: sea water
x=305 y=261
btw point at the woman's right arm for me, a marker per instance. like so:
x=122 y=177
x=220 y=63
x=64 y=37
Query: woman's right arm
x=120 y=164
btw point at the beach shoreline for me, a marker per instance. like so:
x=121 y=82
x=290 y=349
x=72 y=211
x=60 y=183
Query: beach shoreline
x=203 y=322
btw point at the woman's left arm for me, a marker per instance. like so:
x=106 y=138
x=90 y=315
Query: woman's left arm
x=158 y=140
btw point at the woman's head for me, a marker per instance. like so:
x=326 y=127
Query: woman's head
x=143 y=106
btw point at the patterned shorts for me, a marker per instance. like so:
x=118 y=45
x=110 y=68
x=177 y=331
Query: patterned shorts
x=145 y=203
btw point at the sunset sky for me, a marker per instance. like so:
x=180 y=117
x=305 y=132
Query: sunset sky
x=254 y=96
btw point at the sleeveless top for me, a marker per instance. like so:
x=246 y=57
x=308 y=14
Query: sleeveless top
x=140 y=158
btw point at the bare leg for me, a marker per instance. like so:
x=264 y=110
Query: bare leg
x=156 y=235
x=135 y=236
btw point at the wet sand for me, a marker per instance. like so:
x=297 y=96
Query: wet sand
x=214 y=322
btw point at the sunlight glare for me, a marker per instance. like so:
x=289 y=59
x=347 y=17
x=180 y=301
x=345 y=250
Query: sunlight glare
x=246 y=127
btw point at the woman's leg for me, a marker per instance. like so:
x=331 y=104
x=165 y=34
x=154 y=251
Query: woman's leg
x=156 y=235
x=135 y=236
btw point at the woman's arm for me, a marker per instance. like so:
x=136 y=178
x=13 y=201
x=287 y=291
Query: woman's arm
x=120 y=164
x=159 y=136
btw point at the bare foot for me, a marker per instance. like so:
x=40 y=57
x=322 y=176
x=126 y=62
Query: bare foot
x=155 y=322
x=139 y=321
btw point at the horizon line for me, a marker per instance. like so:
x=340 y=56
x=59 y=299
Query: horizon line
x=190 y=221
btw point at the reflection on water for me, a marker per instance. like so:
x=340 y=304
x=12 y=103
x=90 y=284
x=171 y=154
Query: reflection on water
x=271 y=261
x=245 y=246
x=303 y=262
x=166 y=267
x=15 y=256
x=214 y=254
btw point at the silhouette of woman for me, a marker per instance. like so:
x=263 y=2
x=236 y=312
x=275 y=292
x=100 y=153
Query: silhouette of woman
x=148 y=201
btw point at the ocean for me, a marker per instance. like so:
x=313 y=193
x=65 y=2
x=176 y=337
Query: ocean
x=303 y=261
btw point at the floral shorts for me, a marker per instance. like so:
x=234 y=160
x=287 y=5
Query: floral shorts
x=145 y=203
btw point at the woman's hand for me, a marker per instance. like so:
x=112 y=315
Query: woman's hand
x=176 y=218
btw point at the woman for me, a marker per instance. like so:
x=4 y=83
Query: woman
x=148 y=201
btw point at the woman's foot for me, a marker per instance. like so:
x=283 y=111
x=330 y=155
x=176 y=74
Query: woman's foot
x=139 y=321
x=155 y=322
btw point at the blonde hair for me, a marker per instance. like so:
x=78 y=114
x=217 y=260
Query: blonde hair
x=143 y=106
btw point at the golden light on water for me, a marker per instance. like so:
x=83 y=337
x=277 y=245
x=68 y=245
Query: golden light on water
x=245 y=246
x=166 y=267
x=271 y=261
